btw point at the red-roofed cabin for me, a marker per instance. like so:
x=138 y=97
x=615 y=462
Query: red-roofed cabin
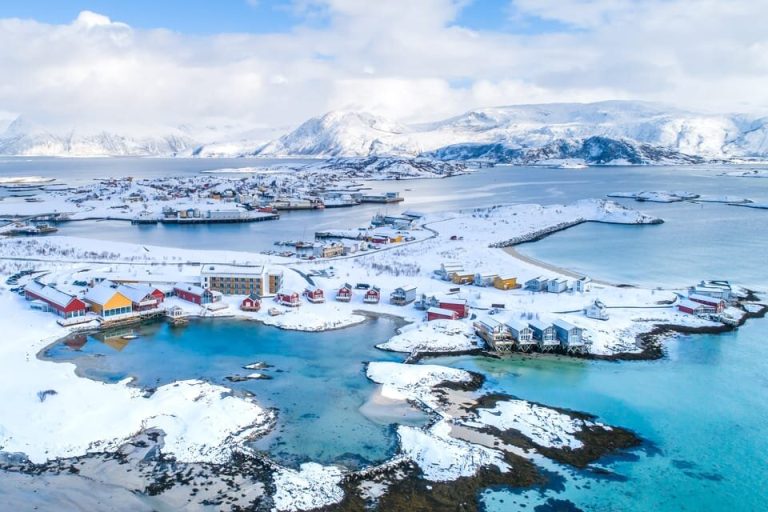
x=718 y=304
x=251 y=303
x=441 y=314
x=290 y=299
x=372 y=296
x=344 y=294
x=458 y=305
x=314 y=295
x=63 y=304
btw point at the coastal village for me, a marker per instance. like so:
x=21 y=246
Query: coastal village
x=454 y=279
x=509 y=306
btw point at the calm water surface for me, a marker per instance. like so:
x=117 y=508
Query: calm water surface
x=318 y=379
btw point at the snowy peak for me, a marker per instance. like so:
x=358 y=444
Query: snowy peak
x=343 y=133
x=23 y=138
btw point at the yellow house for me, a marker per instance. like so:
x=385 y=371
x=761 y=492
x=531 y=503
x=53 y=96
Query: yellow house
x=463 y=278
x=396 y=239
x=505 y=282
x=107 y=301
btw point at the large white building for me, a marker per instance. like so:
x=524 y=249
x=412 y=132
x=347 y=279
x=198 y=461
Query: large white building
x=240 y=280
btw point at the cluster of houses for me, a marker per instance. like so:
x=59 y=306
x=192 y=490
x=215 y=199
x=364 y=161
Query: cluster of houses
x=527 y=335
x=706 y=300
x=455 y=273
x=107 y=300
x=558 y=284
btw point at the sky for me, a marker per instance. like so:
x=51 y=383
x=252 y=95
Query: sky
x=249 y=64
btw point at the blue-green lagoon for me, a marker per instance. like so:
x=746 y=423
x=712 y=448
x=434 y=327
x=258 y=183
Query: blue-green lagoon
x=317 y=379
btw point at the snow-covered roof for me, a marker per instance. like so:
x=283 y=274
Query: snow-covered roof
x=517 y=325
x=216 y=269
x=406 y=288
x=191 y=288
x=458 y=302
x=441 y=311
x=703 y=298
x=564 y=325
x=101 y=293
x=135 y=292
x=490 y=323
x=50 y=294
x=539 y=325
x=685 y=303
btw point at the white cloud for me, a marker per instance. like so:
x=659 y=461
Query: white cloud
x=404 y=59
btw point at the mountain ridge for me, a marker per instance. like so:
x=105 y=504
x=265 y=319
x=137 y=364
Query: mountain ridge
x=632 y=132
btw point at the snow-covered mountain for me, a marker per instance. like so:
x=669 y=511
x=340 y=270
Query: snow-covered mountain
x=22 y=138
x=604 y=132
x=345 y=134
x=640 y=132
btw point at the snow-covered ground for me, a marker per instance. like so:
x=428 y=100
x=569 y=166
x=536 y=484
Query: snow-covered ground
x=435 y=336
x=202 y=422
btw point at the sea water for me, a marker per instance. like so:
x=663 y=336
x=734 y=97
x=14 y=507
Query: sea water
x=702 y=409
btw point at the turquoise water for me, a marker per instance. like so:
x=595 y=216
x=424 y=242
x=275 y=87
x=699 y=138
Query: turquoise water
x=697 y=241
x=318 y=379
x=703 y=410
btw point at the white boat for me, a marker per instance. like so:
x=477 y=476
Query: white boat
x=130 y=336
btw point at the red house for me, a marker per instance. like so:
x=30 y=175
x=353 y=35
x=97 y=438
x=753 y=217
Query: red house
x=314 y=295
x=694 y=308
x=195 y=294
x=63 y=304
x=441 y=314
x=718 y=304
x=372 y=296
x=458 y=305
x=379 y=239
x=251 y=303
x=345 y=293
x=290 y=299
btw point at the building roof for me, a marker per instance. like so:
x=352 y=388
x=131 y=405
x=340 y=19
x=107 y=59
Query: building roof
x=704 y=298
x=685 y=303
x=517 y=325
x=135 y=292
x=237 y=270
x=50 y=294
x=441 y=311
x=191 y=288
x=406 y=288
x=564 y=325
x=490 y=323
x=539 y=325
x=102 y=293
x=459 y=302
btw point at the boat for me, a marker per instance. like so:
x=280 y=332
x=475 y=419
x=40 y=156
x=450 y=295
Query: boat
x=130 y=336
x=274 y=312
